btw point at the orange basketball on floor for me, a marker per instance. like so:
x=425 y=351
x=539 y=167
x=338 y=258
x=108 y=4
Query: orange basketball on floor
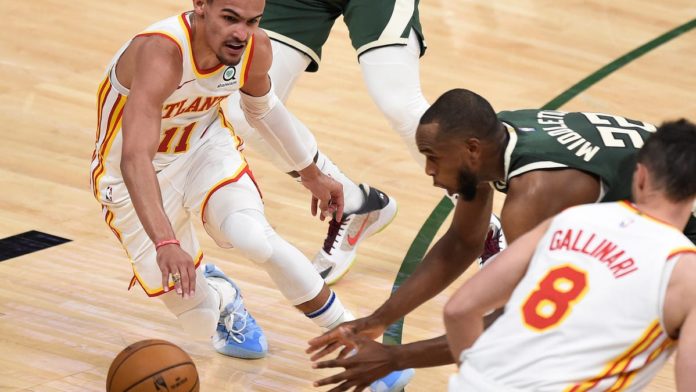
x=152 y=366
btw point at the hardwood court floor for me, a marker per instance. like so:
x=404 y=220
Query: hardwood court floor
x=65 y=311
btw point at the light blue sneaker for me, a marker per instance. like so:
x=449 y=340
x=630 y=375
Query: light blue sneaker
x=393 y=382
x=237 y=333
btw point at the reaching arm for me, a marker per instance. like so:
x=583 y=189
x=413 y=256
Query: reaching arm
x=151 y=68
x=447 y=260
x=374 y=360
x=265 y=112
x=489 y=289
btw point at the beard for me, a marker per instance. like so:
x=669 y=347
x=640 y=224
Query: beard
x=228 y=62
x=468 y=183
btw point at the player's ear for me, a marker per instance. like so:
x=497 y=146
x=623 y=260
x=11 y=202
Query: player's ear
x=473 y=150
x=640 y=176
x=199 y=6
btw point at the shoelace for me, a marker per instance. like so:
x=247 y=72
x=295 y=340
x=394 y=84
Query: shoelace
x=230 y=321
x=334 y=229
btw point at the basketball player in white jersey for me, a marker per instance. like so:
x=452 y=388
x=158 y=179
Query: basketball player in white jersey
x=165 y=155
x=596 y=298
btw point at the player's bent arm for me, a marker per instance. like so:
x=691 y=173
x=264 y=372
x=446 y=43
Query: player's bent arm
x=680 y=318
x=488 y=289
x=266 y=112
x=447 y=260
x=538 y=195
x=155 y=71
x=686 y=354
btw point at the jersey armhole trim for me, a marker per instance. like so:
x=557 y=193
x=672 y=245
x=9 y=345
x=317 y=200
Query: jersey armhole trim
x=164 y=35
x=246 y=64
x=535 y=166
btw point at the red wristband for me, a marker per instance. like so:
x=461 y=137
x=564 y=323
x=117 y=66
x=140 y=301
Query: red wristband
x=166 y=242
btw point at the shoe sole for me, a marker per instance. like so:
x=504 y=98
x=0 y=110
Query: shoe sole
x=355 y=256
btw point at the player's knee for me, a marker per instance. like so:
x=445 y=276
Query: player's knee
x=247 y=230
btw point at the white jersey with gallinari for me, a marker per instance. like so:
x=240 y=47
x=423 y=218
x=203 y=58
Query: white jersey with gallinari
x=588 y=314
x=186 y=114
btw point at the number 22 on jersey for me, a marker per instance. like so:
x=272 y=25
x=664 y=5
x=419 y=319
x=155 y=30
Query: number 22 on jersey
x=552 y=301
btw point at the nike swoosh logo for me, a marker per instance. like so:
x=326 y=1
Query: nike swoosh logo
x=182 y=84
x=354 y=239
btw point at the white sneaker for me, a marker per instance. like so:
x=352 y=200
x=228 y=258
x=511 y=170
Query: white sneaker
x=343 y=238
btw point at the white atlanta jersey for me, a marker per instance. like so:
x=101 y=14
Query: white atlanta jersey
x=186 y=115
x=588 y=314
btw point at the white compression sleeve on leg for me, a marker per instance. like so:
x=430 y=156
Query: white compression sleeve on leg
x=198 y=315
x=249 y=231
x=270 y=118
x=392 y=77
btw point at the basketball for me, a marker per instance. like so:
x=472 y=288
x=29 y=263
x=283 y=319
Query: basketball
x=150 y=366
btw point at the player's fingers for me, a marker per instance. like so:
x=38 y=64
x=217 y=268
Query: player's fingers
x=338 y=205
x=185 y=282
x=336 y=378
x=324 y=208
x=315 y=201
x=176 y=277
x=192 y=279
x=165 y=279
x=323 y=340
x=326 y=351
x=348 y=351
x=361 y=387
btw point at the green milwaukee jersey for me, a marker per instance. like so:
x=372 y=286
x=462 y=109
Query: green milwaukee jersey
x=598 y=144
x=603 y=145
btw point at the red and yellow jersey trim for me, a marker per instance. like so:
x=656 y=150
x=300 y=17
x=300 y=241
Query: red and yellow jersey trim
x=681 y=250
x=200 y=73
x=113 y=125
x=166 y=35
x=109 y=219
x=159 y=290
x=632 y=207
x=246 y=63
x=243 y=169
x=617 y=367
x=237 y=140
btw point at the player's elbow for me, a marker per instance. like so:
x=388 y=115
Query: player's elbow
x=132 y=161
x=457 y=308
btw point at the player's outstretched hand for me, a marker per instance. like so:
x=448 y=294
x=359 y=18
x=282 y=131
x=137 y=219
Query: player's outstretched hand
x=365 y=364
x=344 y=336
x=327 y=193
x=175 y=262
